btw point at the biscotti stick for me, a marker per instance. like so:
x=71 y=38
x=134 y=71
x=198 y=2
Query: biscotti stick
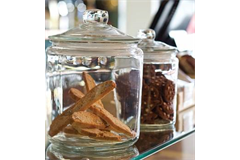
x=98 y=134
x=70 y=130
x=115 y=123
x=89 y=81
x=90 y=84
x=84 y=103
x=88 y=120
x=75 y=94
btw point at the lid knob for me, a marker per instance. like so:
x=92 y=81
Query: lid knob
x=95 y=15
x=146 y=34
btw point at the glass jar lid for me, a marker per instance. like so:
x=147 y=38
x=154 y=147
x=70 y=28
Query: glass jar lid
x=94 y=29
x=148 y=43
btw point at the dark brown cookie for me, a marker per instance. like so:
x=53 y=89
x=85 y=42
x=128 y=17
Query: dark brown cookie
x=154 y=92
x=145 y=90
x=158 y=102
x=153 y=104
x=167 y=107
x=162 y=114
x=149 y=70
x=169 y=91
x=160 y=75
x=160 y=81
x=148 y=73
x=150 y=118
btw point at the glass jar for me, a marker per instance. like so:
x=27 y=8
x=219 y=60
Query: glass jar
x=159 y=89
x=94 y=79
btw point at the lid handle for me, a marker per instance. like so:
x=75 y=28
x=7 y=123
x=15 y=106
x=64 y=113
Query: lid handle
x=146 y=34
x=95 y=16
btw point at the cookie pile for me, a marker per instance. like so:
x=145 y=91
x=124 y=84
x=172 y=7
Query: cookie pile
x=157 y=96
x=88 y=117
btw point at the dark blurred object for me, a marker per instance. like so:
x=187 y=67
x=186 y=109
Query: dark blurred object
x=127 y=87
x=172 y=15
x=187 y=65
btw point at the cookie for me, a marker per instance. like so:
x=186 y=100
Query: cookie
x=84 y=103
x=70 y=130
x=148 y=71
x=160 y=81
x=160 y=75
x=88 y=120
x=98 y=134
x=150 y=118
x=75 y=94
x=59 y=123
x=115 y=123
x=169 y=91
x=89 y=81
x=167 y=107
x=154 y=92
x=90 y=84
x=162 y=114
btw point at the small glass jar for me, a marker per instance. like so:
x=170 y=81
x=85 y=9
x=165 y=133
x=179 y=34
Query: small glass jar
x=94 y=79
x=159 y=89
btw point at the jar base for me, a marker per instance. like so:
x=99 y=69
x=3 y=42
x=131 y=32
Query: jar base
x=52 y=152
x=73 y=144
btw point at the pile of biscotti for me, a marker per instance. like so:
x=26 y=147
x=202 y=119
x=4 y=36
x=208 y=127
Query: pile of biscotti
x=88 y=117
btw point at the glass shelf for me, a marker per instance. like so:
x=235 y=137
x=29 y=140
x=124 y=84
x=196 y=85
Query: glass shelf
x=150 y=142
x=154 y=141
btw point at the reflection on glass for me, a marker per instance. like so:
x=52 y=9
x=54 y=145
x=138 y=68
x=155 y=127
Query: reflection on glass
x=150 y=139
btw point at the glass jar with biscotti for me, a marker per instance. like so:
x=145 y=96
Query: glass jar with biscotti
x=94 y=83
x=160 y=70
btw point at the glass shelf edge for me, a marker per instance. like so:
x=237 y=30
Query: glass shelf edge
x=163 y=146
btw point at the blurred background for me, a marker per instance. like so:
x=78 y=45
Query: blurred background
x=173 y=20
